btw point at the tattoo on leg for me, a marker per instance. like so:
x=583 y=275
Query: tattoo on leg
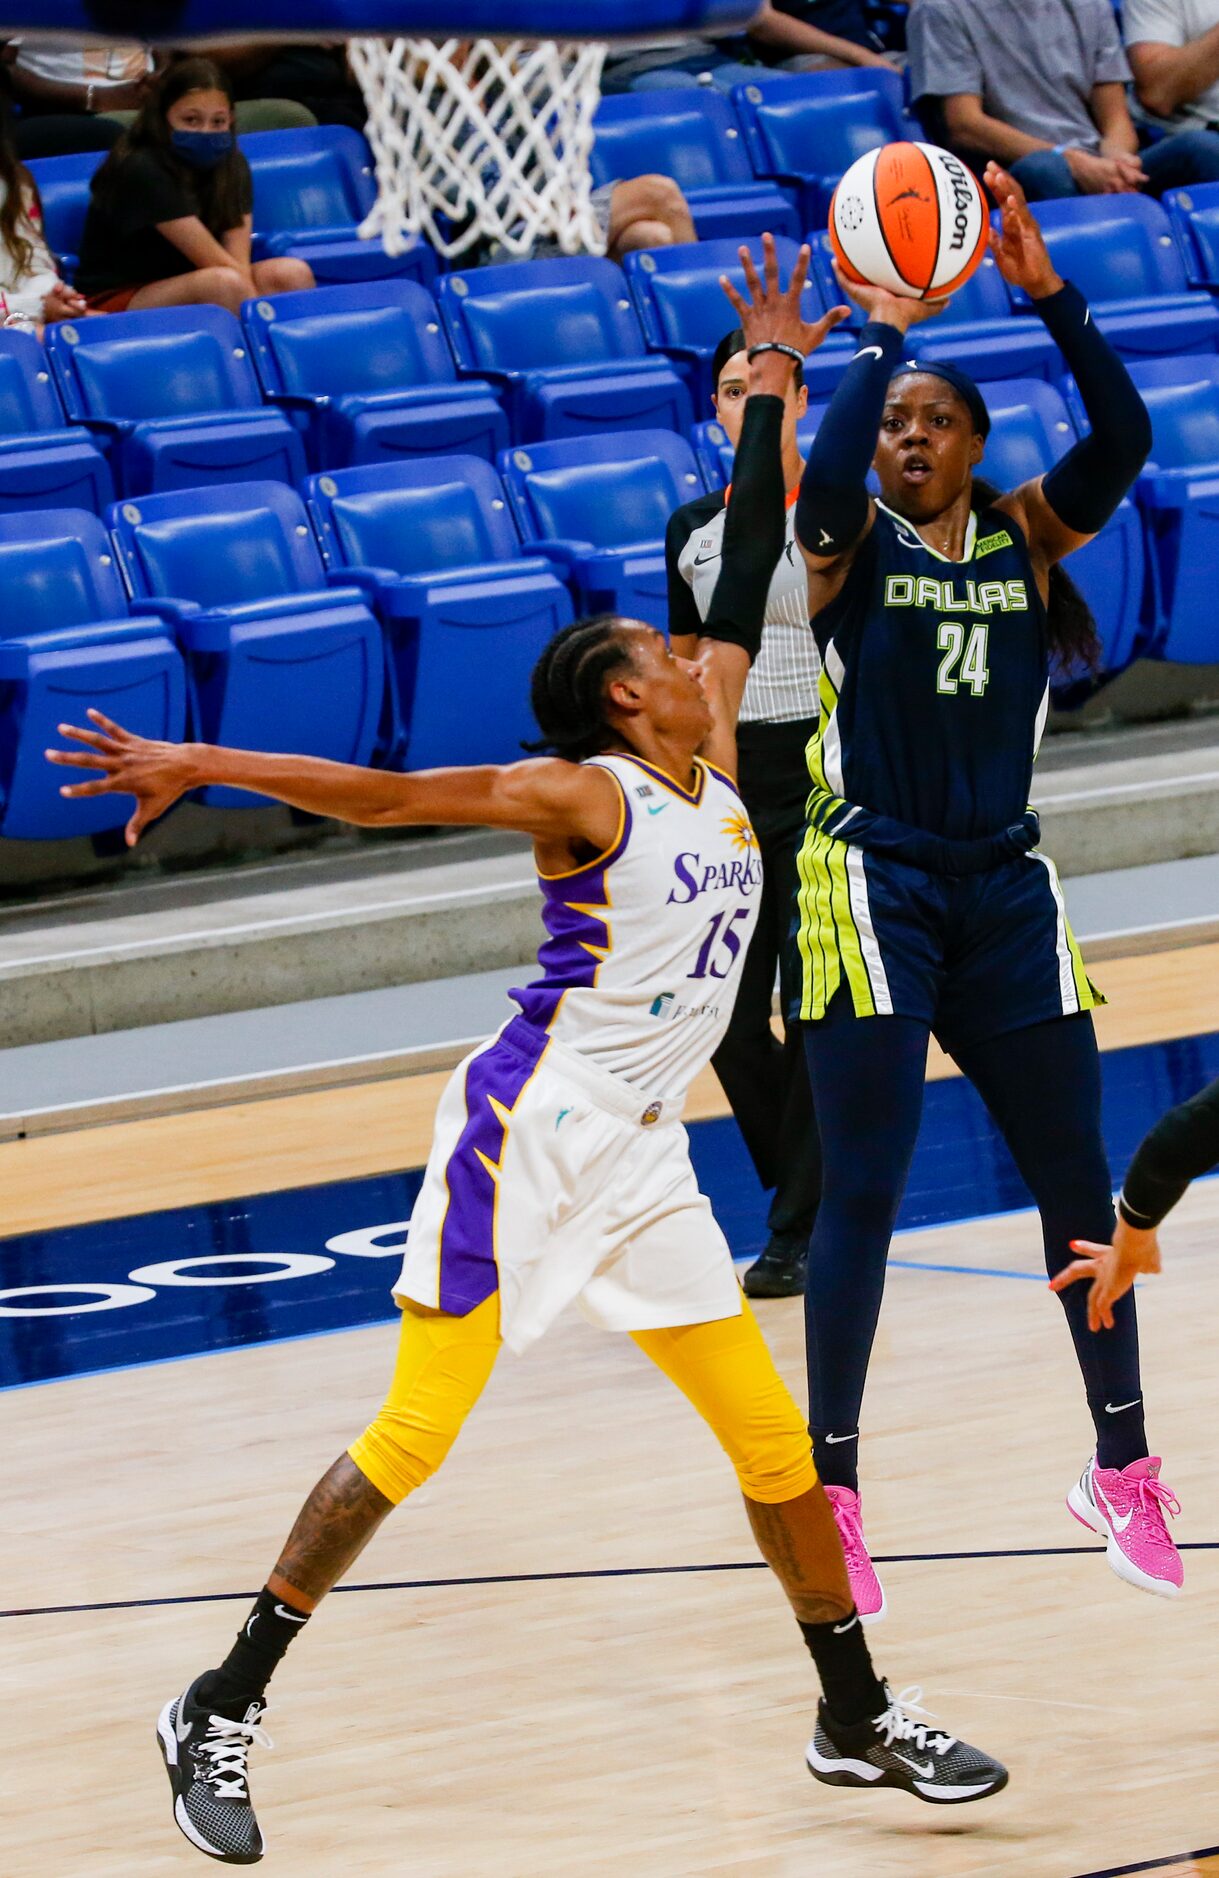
x=799 y=1541
x=332 y=1528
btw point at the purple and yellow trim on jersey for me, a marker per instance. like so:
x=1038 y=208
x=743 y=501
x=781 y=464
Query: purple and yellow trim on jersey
x=576 y=908
x=692 y=796
x=495 y=1082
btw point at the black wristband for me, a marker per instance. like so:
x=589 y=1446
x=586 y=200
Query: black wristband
x=775 y=345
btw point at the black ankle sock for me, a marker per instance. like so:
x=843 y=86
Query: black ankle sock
x=243 y=1676
x=1120 y=1434
x=836 y=1455
x=853 y=1691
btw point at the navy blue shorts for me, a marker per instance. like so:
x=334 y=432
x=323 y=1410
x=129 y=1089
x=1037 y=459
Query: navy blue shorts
x=971 y=956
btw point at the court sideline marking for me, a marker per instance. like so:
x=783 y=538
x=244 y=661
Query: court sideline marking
x=604 y=1571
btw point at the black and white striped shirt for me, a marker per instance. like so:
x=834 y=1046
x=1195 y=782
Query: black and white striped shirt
x=782 y=684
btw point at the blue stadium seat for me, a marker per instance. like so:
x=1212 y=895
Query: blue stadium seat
x=684 y=310
x=597 y=506
x=68 y=641
x=312 y=189
x=369 y=374
x=715 y=453
x=692 y=137
x=1121 y=253
x=174 y=397
x=63 y=186
x=465 y=612
x=564 y=338
x=1178 y=493
x=281 y=657
x=1031 y=428
x=44 y=464
x=805 y=129
x=982 y=332
x=1194 y=214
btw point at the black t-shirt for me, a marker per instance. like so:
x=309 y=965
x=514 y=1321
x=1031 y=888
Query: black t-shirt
x=120 y=246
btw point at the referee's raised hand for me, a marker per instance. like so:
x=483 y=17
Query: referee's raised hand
x=774 y=315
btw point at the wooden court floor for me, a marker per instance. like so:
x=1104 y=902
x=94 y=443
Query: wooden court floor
x=560 y=1660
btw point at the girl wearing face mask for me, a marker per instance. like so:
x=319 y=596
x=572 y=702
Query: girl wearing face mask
x=171 y=212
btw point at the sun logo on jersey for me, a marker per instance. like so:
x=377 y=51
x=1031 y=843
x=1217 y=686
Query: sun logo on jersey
x=739 y=832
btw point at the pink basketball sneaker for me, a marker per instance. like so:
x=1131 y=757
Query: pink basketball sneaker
x=866 y=1587
x=1127 y=1506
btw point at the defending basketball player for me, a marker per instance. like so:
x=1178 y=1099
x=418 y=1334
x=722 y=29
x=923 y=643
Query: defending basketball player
x=560 y=1171
x=925 y=904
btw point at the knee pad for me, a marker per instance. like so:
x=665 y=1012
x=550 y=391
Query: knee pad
x=398 y=1454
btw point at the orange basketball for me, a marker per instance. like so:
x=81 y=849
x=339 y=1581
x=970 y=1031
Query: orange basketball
x=911 y=218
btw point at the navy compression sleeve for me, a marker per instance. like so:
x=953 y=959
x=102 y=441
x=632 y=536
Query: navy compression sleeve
x=1183 y=1144
x=833 y=503
x=754 y=529
x=1085 y=488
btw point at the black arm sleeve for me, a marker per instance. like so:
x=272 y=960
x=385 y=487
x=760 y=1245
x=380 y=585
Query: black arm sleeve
x=833 y=504
x=683 y=609
x=1085 y=487
x=755 y=529
x=1182 y=1145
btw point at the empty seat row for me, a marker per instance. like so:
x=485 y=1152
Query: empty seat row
x=382 y=370
x=390 y=613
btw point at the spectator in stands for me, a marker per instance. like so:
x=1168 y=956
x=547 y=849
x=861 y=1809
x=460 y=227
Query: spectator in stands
x=1041 y=90
x=794 y=35
x=1173 y=48
x=170 y=217
x=78 y=85
x=316 y=77
x=31 y=292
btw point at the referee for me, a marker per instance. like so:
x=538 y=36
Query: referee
x=765 y=1081
x=1182 y=1145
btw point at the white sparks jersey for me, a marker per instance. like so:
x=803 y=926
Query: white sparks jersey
x=646 y=943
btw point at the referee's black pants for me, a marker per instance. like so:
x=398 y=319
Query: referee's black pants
x=765 y=1081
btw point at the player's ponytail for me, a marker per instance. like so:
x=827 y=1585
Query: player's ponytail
x=1070 y=623
x=567 y=689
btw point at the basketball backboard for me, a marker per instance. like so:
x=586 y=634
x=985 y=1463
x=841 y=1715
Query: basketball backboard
x=164 y=22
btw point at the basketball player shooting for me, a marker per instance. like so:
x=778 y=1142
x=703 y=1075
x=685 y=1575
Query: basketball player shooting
x=559 y=1169
x=925 y=903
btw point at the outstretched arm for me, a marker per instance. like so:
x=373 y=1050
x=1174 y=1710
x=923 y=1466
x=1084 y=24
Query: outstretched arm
x=547 y=798
x=1071 y=503
x=777 y=338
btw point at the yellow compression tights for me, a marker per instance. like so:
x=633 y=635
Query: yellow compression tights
x=723 y=1368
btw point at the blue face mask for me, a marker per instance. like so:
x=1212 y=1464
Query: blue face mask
x=202 y=149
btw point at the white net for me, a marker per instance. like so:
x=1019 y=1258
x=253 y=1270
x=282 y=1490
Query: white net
x=482 y=138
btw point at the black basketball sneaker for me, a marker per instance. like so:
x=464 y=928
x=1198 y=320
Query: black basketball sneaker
x=205 y=1758
x=779 y=1271
x=897 y=1750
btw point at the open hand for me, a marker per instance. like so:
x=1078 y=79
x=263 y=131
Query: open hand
x=889 y=309
x=776 y=313
x=1017 y=244
x=1112 y=1269
x=156 y=774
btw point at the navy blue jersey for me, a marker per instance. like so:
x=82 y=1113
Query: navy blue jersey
x=935 y=683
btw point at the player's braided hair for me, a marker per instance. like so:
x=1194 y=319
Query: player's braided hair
x=567 y=689
x=1070 y=624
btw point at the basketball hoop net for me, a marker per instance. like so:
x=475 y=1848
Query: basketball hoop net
x=481 y=138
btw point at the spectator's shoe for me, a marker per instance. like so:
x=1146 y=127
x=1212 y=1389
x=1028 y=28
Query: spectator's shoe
x=205 y=1758
x=780 y=1270
x=896 y=1750
x=1126 y=1506
x=866 y=1588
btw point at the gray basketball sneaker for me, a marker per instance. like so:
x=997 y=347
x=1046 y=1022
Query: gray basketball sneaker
x=895 y=1749
x=205 y=1758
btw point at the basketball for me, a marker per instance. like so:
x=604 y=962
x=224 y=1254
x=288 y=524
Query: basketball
x=911 y=218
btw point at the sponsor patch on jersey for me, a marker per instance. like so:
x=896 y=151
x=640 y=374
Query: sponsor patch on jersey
x=989 y=543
